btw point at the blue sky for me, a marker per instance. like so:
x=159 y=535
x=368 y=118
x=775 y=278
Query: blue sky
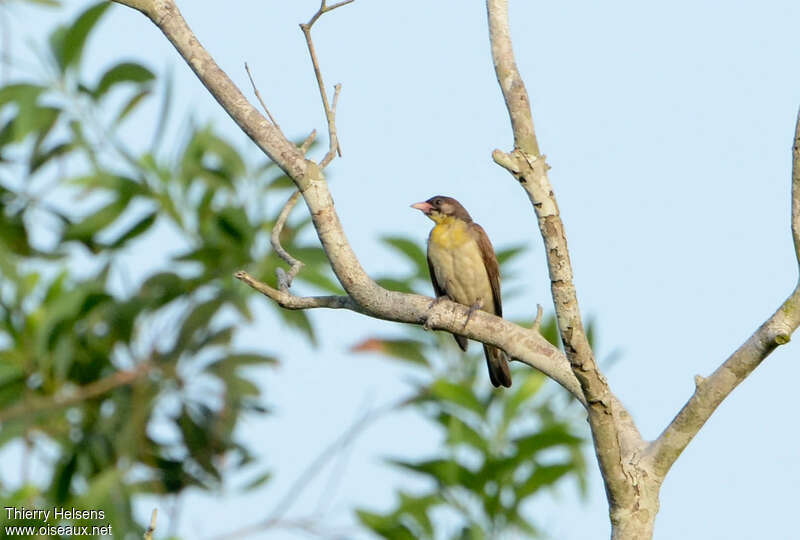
x=668 y=128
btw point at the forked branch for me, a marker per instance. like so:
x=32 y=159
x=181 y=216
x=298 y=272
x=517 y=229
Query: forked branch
x=330 y=111
x=614 y=434
x=711 y=391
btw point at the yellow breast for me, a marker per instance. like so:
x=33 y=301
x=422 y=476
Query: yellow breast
x=458 y=265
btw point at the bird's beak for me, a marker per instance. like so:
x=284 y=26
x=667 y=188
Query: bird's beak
x=423 y=207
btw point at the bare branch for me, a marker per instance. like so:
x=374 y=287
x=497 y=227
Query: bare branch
x=285 y=279
x=308 y=142
x=75 y=395
x=324 y=8
x=167 y=17
x=607 y=416
x=330 y=112
x=289 y=301
x=796 y=188
x=537 y=323
x=711 y=391
x=364 y=295
x=258 y=95
x=520 y=343
x=313 y=469
x=148 y=534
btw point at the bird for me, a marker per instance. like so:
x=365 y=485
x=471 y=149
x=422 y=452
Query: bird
x=463 y=268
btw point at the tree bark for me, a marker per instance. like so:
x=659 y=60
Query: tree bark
x=632 y=469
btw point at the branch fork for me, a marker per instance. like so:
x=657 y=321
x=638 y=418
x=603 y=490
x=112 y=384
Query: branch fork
x=632 y=468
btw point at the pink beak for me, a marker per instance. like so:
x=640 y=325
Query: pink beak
x=424 y=207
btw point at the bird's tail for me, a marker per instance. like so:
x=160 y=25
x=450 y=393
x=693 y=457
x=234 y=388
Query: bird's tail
x=497 y=361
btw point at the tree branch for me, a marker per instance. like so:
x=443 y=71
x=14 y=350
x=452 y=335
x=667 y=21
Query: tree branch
x=74 y=395
x=148 y=534
x=285 y=278
x=711 y=391
x=258 y=95
x=268 y=137
x=608 y=419
x=364 y=295
x=330 y=112
x=287 y=300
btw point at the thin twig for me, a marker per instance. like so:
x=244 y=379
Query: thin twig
x=287 y=300
x=295 y=265
x=796 y=188
x=314 y=467
x=537 y=323
x=76 y=395
x=330 y=112
x=148 y=535
x=712 y=390
x=285 y=278
x=258 y=96
x=308 y=142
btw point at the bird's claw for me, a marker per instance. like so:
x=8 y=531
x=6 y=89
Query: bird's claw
x=472 y=309
x=428 y=324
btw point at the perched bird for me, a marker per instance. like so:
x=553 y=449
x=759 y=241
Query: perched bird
x=464 y=268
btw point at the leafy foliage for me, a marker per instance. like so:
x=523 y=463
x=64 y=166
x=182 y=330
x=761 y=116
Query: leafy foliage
x=126 y=381
x=129 y=380
x=500 y=448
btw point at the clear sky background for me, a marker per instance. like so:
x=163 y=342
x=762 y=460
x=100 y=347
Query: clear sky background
x=668 y=127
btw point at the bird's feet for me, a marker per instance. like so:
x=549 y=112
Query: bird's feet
x=429 y=318
x=472 y=309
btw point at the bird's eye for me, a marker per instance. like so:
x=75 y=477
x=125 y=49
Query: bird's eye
x=437 y=202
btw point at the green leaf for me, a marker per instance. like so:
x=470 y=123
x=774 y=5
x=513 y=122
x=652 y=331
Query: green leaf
x=162 y=288
x=458 y=395
x=281 y=182
x=197 y=322
x=233 y=222
x=319 y=279
x=77 y=34
x=212 y=159
x=556 y=435
x=232 y=362
x=403 y=349
x=530 y=385
x=20 y=93
x=385 y=526
x=131 y=104
x=138 y=228
x=122 y=185
x=459 y=432
x=39 y=158
x=447 y=472
x=124 y=72
x=47 y=3
x=393 y=284
x=299 y=320
x=412 y=251
x=418 y=508
x=56 y=42
x=258 y=481
x=543 y=476
x=85 y=229
x=549 y=331
x=164 y=113
x=506 y=254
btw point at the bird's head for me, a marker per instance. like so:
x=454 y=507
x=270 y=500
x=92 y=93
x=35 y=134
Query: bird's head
x=439 y=208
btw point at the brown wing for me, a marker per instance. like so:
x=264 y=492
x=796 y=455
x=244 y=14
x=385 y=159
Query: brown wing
x=461 y=340
x=490 y=262
x=436 y=288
